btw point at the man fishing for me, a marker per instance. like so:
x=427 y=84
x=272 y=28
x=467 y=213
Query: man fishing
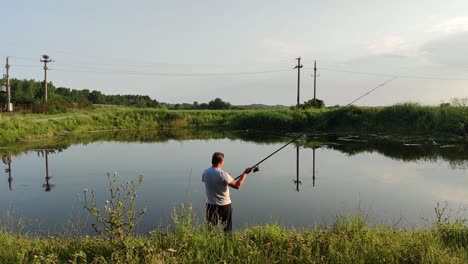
x=218 y=204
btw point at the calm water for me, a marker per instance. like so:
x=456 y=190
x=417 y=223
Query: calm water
x=390 y=181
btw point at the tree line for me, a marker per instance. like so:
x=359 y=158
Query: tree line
x=32 y=92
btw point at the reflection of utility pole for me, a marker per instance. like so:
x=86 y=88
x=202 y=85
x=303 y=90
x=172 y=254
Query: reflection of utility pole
x=298 y=67
x=48 y=186
x=45 y=59
x=313 y=166
x=297 y=181
x=7 y=161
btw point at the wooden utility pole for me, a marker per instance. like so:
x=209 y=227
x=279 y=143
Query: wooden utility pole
x=315 y=77
x=45 y=59
x=8 y=89
x=298 y=67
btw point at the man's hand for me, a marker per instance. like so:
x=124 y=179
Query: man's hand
x=248 y=170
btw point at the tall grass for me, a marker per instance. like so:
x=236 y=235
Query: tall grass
x=408 y=118
x=349 y=240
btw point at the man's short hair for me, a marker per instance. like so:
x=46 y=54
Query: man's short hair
x=217 y=158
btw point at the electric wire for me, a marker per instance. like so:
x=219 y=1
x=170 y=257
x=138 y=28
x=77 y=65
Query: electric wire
x=99 y=70
x=396 y=75
x=175 y=74
x=154 y=63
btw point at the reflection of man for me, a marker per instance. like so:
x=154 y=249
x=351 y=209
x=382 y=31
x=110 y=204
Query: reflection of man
x=218 y=204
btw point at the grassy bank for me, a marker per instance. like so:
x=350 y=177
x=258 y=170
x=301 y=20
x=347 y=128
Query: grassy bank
x=403 y=119
x=349 y=240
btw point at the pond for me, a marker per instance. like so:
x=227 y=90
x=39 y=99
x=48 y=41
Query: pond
x=309 y=182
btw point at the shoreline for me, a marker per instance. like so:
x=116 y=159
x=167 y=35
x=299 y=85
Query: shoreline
x=399 y=121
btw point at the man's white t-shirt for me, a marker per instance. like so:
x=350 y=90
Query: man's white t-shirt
x=216 y=185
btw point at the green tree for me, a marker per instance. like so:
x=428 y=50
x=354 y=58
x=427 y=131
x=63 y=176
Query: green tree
x=218 y=104
x=313 y=103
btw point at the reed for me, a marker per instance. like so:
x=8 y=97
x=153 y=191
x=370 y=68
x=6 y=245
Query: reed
x=403 y=119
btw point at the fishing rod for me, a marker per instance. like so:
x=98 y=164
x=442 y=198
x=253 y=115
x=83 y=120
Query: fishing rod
x=255 y=167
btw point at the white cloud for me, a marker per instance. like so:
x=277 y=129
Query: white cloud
x=453 y=25
x=391 y=45
x=448 y=50
x=283 y=48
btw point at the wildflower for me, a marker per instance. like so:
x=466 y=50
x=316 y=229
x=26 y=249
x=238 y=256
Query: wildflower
x=107 y=202
x=85 y=190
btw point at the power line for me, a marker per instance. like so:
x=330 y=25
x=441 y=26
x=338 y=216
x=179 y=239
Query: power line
x=394 y=75
x=103 y=70
x=134 y=63
x=173 y=74
x=22 y=58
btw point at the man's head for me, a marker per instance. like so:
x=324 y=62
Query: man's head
x=217 y=158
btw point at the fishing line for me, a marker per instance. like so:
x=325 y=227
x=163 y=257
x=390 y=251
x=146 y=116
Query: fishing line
x=255 y=166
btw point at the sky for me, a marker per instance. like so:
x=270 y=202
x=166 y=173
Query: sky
x=244 y=52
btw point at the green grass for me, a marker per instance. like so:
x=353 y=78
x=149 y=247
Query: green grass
x=403 y=119
x=349 y=240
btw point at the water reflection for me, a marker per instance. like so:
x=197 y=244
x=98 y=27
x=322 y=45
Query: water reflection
x=365 y=174
x=6 y=158
x=455 y=151
x=313 y=166
x=47 y=185
x=403 y=149
x=297 y=181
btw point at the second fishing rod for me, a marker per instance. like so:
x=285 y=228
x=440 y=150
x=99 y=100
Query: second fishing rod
x=255 y=166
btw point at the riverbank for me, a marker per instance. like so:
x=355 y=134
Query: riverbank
x=349 y=240
x=402 y=119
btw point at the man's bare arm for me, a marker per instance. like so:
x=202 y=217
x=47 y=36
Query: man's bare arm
x=236 y=184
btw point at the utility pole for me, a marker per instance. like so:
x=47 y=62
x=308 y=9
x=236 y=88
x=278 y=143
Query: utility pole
x=8 y=89
x=298 y=67
x=45 y=59
x=315 y=77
